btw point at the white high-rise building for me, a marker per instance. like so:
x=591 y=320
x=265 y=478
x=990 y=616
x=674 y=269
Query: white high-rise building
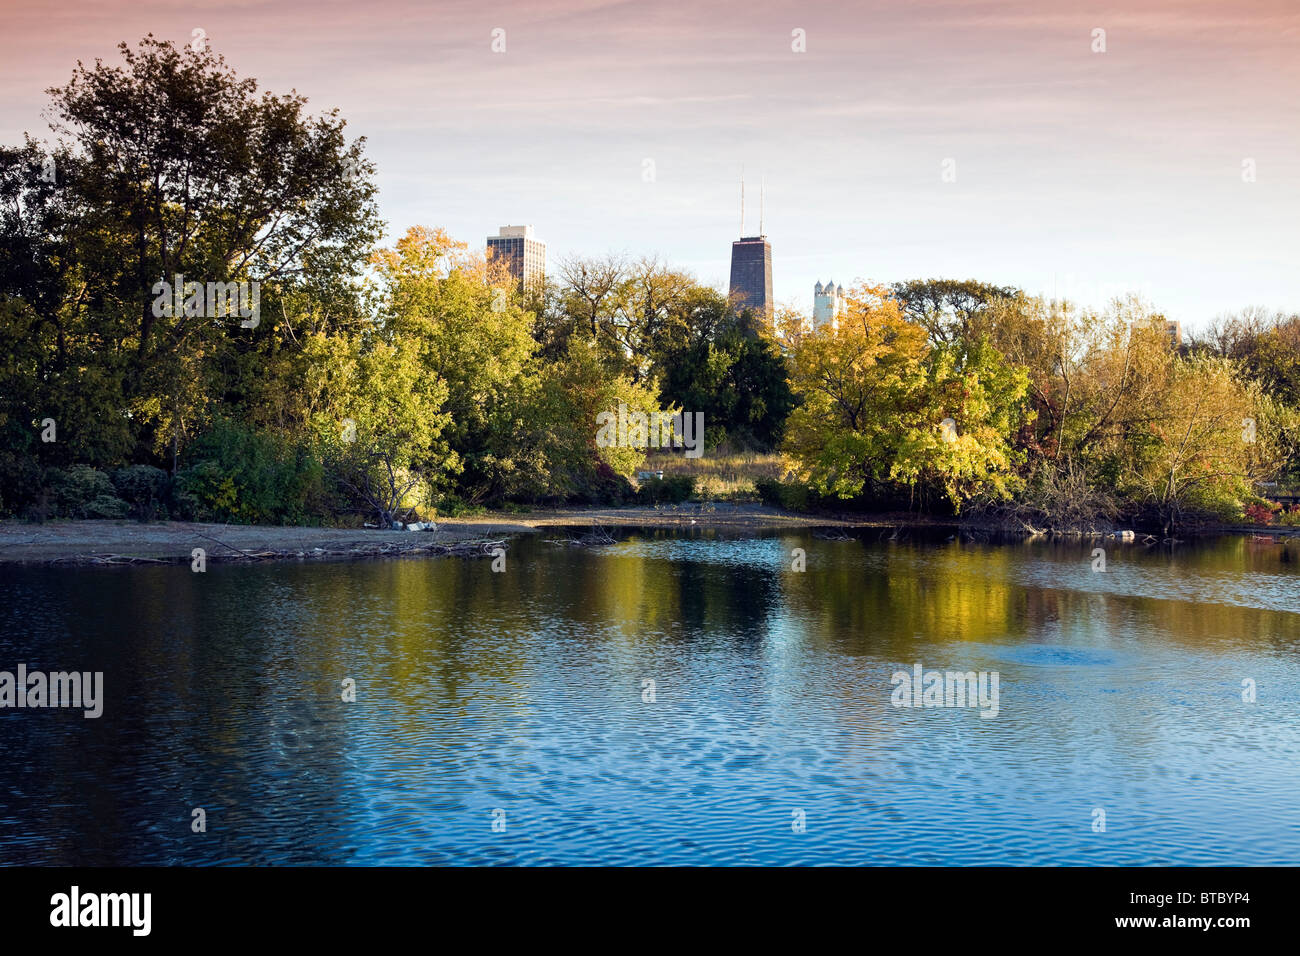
x=828 y=302
x=522 y=253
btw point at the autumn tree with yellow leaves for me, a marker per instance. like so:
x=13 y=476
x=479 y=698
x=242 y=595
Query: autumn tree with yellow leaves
x=882 y=408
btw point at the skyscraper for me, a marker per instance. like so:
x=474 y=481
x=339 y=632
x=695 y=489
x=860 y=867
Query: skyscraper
x=1175 y=332
x=751 y=264
x=751 y=275
x=828 y=303
x=524 y=255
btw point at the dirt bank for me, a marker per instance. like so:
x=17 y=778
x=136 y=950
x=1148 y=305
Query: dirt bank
x=129 y=542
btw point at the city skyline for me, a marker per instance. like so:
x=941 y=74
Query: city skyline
x=619 y=128
x=397 y=473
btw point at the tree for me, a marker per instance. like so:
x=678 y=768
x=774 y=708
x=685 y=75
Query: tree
x=171 y=165
x=981 y=397
x=470 y=333
x=589 y=290
x=58 y=364
x=1201 y=450
x=647 y=301
x=574 y=393
x=1093 y=376
x=1267 y=344
x=728 y=366
x=946 y=308
x=378 y=416
x=875 y=397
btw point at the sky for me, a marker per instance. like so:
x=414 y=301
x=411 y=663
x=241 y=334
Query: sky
x=984 y=140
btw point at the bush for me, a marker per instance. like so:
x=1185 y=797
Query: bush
x=1067 y=498
x=105 y=506
x=602 y=485
x=769 y=491
x=237 y=474
x=21 y=485
x=144 y=488
x=80 y=491
x=453 y=506
x=1259 y=513
x=673 y=489
x=1289 y=517
x=789 y=495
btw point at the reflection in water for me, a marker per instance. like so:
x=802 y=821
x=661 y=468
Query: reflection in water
x=523 y=692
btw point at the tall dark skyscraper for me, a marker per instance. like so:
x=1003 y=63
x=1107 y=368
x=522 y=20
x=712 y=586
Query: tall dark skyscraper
x=751 y=265
x=751 y=274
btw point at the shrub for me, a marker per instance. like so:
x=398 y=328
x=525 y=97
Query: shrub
x=20 y=482
x=205 y=492
x=237 y=474
x=789 y=495
x=1065 y=497
x=80 y=491
x=1289 y=517
x=1259 y=513
x=105 y=506
x=453 y=506
x=39 y=509
x=769 y=491
x=602 y=485
x=144 y=488
x=672 y=489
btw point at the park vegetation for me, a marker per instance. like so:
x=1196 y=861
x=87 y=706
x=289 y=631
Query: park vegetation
x=385 y=382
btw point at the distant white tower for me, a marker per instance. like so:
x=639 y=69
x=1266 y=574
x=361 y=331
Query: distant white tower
x=828 y=303
x=523 y=254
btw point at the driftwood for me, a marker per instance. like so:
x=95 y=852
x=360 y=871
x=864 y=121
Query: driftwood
x=223 y=544
x=596 y=537
x=104 y=557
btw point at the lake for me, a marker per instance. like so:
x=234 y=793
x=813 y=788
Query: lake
x=674 y=698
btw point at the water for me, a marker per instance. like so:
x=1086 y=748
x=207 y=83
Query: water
x=517 y=698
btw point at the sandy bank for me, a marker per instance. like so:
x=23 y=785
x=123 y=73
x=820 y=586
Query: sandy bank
x=129 y=542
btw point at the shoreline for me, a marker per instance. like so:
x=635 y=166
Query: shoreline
x=79 y=543
x=85 y=543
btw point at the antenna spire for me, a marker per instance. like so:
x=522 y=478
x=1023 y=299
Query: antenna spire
x=762 y=200
x=742 y=200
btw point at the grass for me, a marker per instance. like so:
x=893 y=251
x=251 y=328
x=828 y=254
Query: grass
x=721 y=474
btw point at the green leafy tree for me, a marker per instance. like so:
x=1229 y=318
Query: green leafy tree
x=470 y=332
x=379 y=419
x=948 y=308
x=728 y=366
x=566 y=420
x=1202 y=450
x=875 y=397
x=168 y=165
